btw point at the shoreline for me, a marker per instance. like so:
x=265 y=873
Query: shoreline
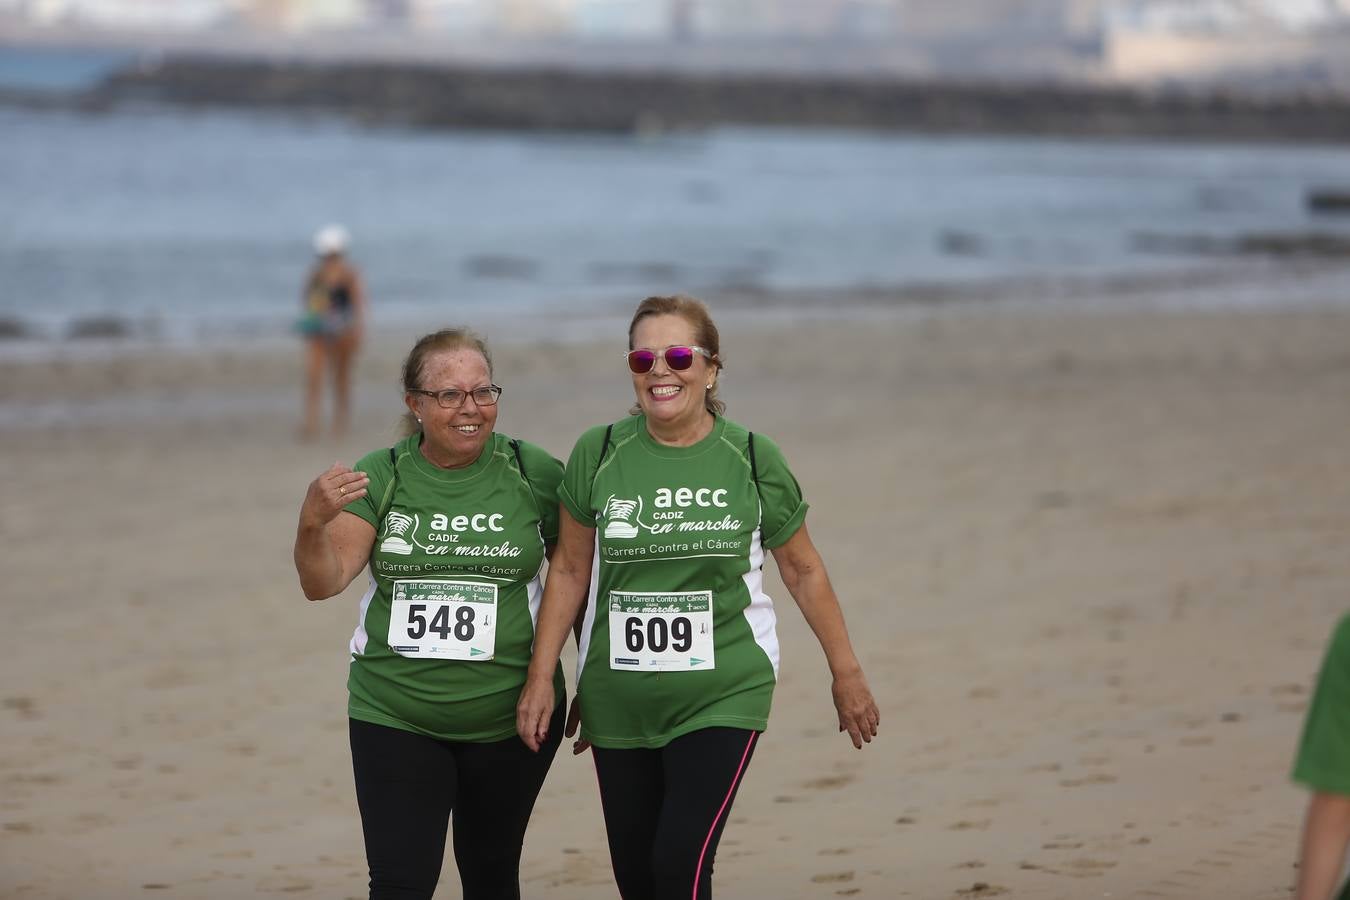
x=1241 y=282
x=162 y=387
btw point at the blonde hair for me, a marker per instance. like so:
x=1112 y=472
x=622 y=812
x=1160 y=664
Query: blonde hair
x=447 y=339
x=695 y=312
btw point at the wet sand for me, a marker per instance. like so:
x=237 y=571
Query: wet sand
x=1089 y=562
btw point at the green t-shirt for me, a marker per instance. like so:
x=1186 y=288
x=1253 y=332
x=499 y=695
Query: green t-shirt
x=447 y=624
x=678 y=634
x=1323 y=762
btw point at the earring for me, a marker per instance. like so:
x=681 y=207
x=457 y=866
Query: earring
x=419 y=421
x=710 y=387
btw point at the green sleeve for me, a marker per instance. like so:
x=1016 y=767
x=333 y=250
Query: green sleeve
x=545 y=474
x=783 y=509
x=1323 y=762
x=579 y=477
x=380 y=470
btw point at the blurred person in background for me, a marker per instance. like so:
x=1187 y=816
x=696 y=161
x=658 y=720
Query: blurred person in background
x=1323 y=765
x=332 y=324
x=675 y=506
x=454 y=523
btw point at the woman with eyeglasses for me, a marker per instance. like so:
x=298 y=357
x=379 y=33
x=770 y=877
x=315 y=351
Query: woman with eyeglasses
x=453 y=524
x=673 y=509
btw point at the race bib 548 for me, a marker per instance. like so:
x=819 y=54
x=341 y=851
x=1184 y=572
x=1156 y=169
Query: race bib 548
x=443 y=619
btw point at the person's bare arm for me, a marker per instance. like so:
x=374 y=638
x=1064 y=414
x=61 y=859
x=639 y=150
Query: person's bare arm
x=1326 y=835
x=569 y=579
x=360 y=303
x=805 y=577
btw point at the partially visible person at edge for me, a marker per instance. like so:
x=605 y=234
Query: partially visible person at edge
x=332 y=324
x=678 y=654
x=1323 y=765
x=454 y=522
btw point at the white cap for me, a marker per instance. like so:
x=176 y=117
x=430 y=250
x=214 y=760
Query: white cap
x=331 y=239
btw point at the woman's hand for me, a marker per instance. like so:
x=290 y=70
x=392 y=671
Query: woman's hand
x=330 y=493
x=533 y=711
x=329 y=550
x=858 y=714
x=580 y=745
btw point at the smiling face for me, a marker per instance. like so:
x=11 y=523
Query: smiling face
x=672 y=400
x=453 y=437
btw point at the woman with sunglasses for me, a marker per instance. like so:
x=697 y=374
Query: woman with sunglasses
x=674 y=507
x=453 y=523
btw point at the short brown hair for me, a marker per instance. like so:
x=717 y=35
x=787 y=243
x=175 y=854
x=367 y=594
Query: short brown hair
x=437 y=342
x=695 y=312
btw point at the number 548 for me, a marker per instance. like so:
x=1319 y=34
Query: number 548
x=440 y=622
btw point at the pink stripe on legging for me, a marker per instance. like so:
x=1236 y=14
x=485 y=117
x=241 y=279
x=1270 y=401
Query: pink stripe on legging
x=698 y=870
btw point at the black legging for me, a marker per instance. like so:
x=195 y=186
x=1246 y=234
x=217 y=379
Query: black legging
x=665 y=810
x=406 y=786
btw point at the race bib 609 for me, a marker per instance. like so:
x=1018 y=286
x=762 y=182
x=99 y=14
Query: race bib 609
x=661 y=631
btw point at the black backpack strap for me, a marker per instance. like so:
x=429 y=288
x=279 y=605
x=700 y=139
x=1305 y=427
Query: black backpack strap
x=520 y=464
x=604 y=448
x=387 y=500
x=754 y=469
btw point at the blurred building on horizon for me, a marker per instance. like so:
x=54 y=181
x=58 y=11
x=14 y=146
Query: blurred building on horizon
x=684 y=19
x=1269 y=43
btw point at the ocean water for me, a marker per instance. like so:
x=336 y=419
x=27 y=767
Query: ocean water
x=176 y=225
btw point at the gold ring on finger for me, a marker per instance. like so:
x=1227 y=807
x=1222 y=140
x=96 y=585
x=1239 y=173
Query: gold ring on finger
x=342 y=490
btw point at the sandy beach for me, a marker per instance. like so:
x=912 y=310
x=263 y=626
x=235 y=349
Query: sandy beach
x=1089 y=562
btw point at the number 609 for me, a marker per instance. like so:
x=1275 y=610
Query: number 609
x=678 y=635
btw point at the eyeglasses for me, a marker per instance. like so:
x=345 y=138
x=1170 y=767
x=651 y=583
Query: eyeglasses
x=452 y=398
x=678 y=358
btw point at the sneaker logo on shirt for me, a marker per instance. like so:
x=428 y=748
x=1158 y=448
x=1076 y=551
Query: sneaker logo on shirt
x=396 y=525
x=619 y=515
